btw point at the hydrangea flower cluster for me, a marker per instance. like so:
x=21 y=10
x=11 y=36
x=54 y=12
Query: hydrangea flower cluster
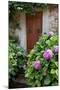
x=48 y=54
x=37 y=65
x=56 y=49
x=50 y=34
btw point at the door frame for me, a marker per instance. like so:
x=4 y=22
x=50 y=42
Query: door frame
x=45 y=27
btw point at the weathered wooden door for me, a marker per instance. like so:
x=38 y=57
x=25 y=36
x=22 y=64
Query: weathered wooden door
x=34 y=29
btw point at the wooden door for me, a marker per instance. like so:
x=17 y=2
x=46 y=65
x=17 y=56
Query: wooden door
x=34 y=29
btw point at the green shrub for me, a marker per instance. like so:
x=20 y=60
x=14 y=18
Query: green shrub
x=16 y=58
x=42 y=65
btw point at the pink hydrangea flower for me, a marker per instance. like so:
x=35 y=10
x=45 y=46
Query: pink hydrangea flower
x=37 y=65
x=48 y=54
x=50 y=33
x=56 y=49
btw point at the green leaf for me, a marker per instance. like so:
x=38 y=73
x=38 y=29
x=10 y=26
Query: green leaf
x=52 y=71
x=48 y=42
x=37 y=82
x=45 y=37
x=56 y=63
x=26 y=75
x=54 y=39
x=47 y=80
x=41 y=77
x=55 y=83
x=56 y=72
x=13 y=73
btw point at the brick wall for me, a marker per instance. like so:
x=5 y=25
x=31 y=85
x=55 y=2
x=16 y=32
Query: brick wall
x=53 y=19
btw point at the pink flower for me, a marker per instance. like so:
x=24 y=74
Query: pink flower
x=37 y=65
x=56 y=49
x=50 y=34
x=48 y=54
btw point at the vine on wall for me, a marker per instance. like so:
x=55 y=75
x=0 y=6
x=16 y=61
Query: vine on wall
x=16 y=7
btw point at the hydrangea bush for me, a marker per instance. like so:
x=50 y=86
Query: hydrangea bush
x=42 y=64
x=16 y=59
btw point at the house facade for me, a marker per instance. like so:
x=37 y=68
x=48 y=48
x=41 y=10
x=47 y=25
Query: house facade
x=33 y=26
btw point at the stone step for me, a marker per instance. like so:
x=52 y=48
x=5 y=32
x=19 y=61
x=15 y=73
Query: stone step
x=19 y=82
x=21 y=79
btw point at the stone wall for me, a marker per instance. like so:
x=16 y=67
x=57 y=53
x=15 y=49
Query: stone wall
x=53 y=19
